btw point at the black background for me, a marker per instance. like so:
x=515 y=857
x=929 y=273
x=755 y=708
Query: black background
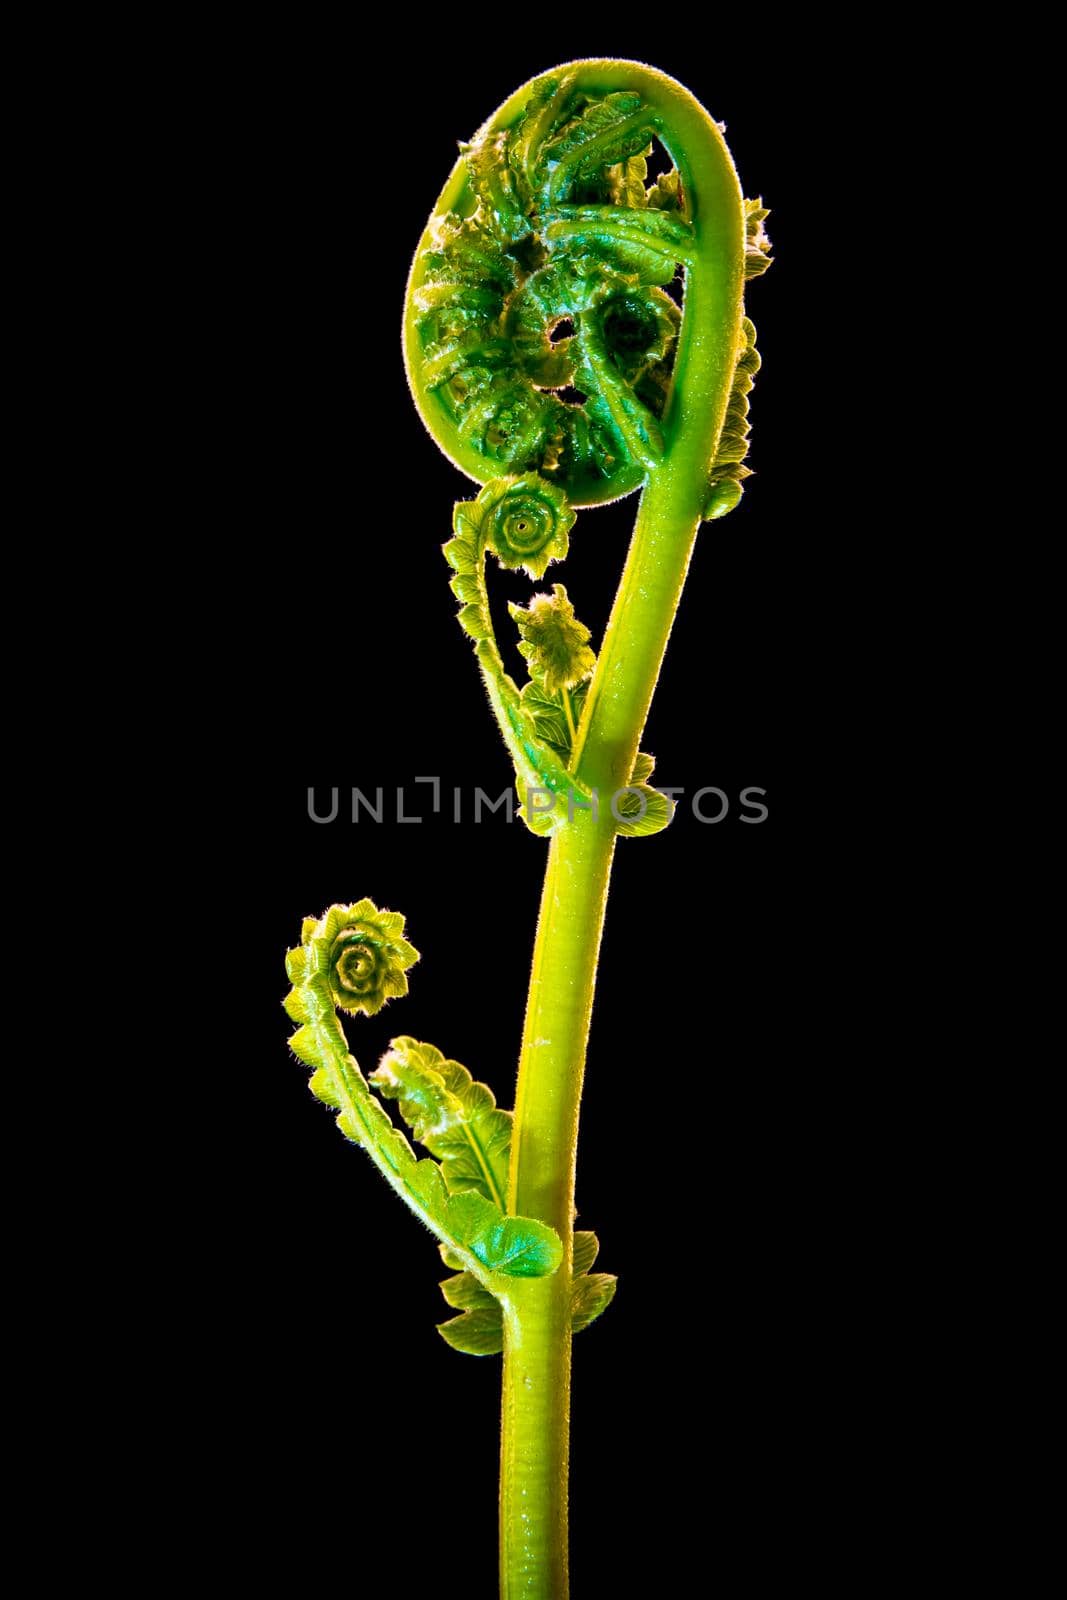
x=712 y=1403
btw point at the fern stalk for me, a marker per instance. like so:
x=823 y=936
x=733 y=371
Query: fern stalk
x=535 y=1412
x=537 y=1349
x=537 y=1355
x=543 y=273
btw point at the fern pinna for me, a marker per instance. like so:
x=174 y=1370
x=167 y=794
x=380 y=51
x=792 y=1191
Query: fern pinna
x=573 y=332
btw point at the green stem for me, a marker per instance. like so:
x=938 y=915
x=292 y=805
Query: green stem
x=569 y=713
x=535 y=1442
x=537 y=1332
x=537 y=1324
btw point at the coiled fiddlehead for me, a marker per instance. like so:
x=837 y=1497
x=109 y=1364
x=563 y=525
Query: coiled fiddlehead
x=541 y=338
x=368 y=958
x=525 y=522
x=540 y=333
x=356 y=957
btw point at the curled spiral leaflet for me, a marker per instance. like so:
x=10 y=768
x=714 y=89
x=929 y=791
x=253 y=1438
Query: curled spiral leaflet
x=325 y=973
x=540 y=333
x=525 y=521
x=543 y=342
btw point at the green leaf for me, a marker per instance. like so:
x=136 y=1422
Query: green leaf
x=294 y=1005
x=466 y=586
x=590 y=123
x=304 y=1046
x=462 y=251
x=493 y=182
x=520 y=1247
x=666 y=193
x=626 y=180
x=644 y=812
x=544 y=113
x=586 y=1247
x=555 y=643
x=541 y=818
x=466 y=520
x=607 y=131
x=427 y=1183
x=591 y=1295
x=649 y=244
x=475 y=622
x=464 y=1293
x=723 y=496
x=475 y=1333
x=548 y=716
x=644 y=766
x=457 y=1119
x=323 y=1089
x=728 y=470
x=464 y=298
x=460 y=555
x=757 y=244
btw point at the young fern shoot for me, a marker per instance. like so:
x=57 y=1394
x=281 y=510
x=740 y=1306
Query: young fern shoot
x=550 y=361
